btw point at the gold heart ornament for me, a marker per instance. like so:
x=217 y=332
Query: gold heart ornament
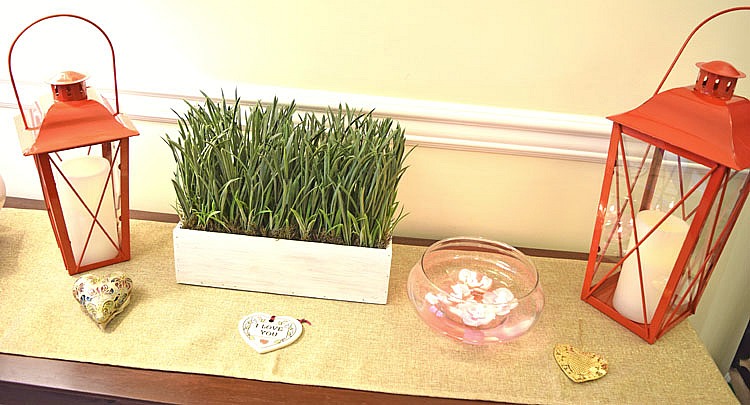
x=265 y=333
x=578 y=365
x=103 y=297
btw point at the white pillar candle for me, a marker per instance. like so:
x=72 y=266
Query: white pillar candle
x=658 y=255
x=88 y=175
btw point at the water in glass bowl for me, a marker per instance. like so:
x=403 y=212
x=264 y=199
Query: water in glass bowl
x=476 y=290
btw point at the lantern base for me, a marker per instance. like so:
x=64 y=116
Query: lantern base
x=602 y=299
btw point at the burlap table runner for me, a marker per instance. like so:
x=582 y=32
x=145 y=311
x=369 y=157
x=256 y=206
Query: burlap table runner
x=386 y=348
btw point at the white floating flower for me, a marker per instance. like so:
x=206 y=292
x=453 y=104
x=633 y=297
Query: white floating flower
x=459 y=292
x=457 y=312
x=431 y=298
x=465 y=275
x=501 y=295
x=475 y=314
x=485 y=283
x=503 y=300
x=472 y=280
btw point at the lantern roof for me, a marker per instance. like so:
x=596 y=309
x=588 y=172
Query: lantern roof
x=720 y=68
x=73 y=124
x=715 y=128
x=67 y=77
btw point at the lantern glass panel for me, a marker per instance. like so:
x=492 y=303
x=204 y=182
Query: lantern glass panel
x=714 y=232
x=88 y=184
x=652 y=200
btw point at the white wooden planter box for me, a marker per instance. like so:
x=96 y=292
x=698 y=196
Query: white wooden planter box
x=282 y=266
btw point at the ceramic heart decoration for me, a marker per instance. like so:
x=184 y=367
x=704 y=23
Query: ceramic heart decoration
x=103 y=297
x=265 y=333
x=578 y=365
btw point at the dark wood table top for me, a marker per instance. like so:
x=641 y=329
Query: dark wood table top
x=31 y=380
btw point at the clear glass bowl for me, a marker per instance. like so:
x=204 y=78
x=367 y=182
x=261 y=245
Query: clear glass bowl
x=476 y=290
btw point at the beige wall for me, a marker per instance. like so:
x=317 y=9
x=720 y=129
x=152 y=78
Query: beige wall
x=584 y=57
x=593 y=57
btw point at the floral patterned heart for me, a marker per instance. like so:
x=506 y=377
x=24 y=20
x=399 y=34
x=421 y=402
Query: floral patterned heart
x=265 y=333
x=578 y=365
x=103 y=297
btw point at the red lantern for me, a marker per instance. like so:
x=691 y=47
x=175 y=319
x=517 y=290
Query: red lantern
x=676 y=179
x=80 y=147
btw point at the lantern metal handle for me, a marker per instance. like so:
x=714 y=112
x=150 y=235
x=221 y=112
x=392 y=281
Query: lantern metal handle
x=692 y=33
x=10 y=65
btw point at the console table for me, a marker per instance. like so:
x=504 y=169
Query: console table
x=179 y=344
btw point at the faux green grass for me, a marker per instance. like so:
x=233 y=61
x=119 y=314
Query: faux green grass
x=267 y=171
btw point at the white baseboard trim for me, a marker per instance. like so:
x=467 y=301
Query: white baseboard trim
x=428 y=123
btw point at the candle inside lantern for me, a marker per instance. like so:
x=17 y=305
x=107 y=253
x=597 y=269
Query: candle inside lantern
x=658 y=254
x=88 y=176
